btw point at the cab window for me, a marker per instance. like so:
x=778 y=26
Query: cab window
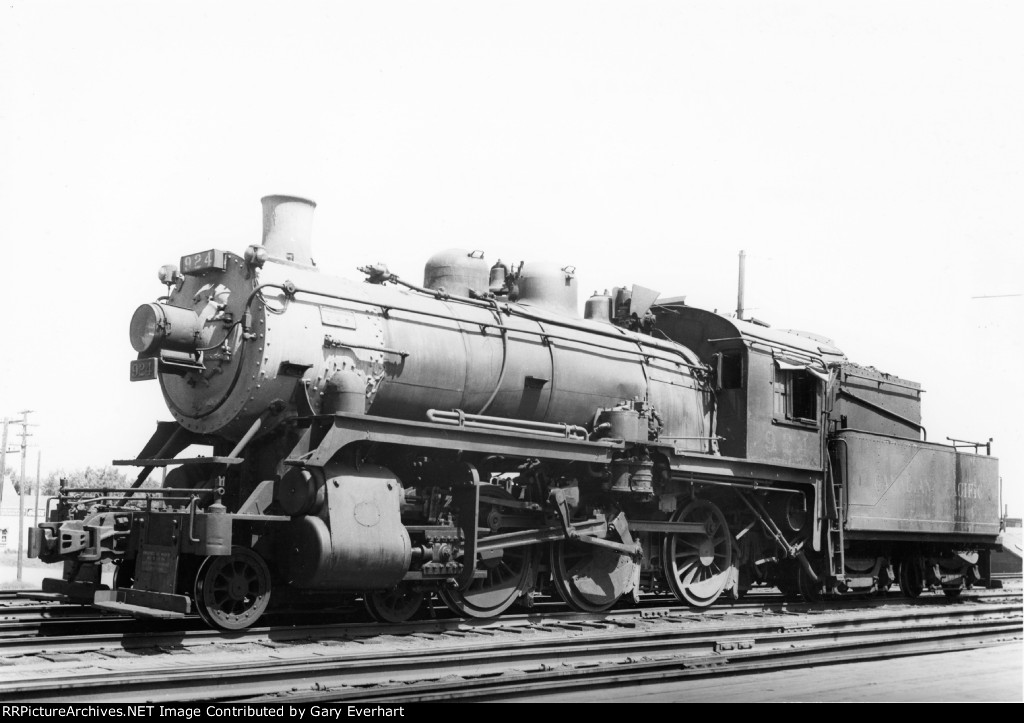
x=796 y=395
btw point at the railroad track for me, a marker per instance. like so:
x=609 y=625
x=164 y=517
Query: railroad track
x=498 y=659
x=52 y=621
x=71 y=629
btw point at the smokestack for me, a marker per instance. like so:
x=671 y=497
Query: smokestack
x=288 y=228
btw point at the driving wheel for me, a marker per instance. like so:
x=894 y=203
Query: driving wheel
x=590 y=579
x=697 y=563
x=505 y=579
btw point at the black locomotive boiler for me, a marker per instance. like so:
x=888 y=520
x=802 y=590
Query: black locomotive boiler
x=476 y=440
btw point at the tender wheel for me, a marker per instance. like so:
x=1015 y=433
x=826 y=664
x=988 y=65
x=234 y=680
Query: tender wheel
x=394 y=606
x=232 y=591
x=697 y=564
x=886 y=579
x=953 y=570
x=507 y=577
x=911 y=577
x=590 y=579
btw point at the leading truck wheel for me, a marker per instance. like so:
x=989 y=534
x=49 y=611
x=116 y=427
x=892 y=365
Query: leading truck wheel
x=232 y=591
x=397 y=605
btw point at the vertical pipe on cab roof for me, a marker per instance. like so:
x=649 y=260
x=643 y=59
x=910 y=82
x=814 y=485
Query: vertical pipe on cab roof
x=742 y=282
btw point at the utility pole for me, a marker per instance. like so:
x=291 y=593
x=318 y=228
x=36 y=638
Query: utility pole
x=21 y=493
x=739 y=290
x=39 y=473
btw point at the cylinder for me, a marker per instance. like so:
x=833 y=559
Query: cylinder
x=356 y=541
x=288 y=228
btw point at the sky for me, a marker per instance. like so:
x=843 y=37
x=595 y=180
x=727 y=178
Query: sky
x=867 y=157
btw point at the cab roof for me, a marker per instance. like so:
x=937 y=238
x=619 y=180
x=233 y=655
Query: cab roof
x=718 y=328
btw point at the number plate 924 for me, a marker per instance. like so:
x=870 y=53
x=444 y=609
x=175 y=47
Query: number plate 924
x=143 y=369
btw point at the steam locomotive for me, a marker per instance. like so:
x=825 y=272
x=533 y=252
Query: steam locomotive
x=472 y=438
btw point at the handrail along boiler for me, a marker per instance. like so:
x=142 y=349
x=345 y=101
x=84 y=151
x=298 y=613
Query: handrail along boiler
x=473 y=438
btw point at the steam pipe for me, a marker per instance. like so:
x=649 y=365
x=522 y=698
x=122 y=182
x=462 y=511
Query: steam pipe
x=504 y=360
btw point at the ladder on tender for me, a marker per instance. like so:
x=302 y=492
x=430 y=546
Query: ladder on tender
x=835 y=546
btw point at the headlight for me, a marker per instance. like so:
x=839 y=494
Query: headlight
x=161 y=326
